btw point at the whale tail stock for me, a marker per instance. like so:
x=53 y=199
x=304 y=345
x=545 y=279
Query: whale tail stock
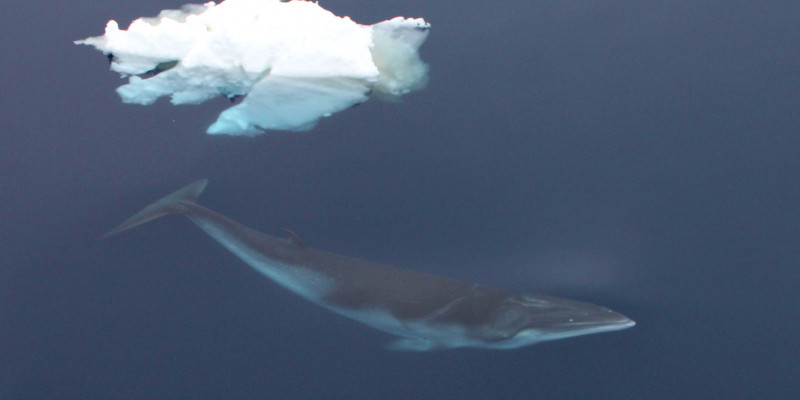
x=174 y=203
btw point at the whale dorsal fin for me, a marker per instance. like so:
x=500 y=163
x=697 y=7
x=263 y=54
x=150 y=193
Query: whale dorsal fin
x=293 y=239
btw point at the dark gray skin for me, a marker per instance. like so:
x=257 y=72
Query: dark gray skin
x=427 y=311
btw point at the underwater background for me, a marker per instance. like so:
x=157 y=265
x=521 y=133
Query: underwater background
x=640 y=155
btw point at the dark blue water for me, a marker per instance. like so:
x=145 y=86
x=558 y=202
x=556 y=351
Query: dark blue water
x=640 y=155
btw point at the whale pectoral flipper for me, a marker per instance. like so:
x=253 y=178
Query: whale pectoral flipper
x=169 y=204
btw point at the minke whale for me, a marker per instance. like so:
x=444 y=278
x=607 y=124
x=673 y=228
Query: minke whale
x=426 y=312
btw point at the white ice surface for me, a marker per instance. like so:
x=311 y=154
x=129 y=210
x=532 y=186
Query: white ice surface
x=291 y=62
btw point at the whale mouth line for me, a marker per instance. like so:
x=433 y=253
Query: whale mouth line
x=620 y=324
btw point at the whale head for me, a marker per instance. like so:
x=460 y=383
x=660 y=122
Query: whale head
x=525 y=320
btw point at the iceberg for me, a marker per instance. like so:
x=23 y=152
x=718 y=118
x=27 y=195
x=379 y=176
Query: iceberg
x=284 y=64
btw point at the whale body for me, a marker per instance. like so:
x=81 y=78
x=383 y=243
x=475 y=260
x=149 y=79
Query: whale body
x=425 y=311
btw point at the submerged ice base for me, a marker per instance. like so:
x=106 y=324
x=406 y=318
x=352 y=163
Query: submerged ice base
x=290 y=63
